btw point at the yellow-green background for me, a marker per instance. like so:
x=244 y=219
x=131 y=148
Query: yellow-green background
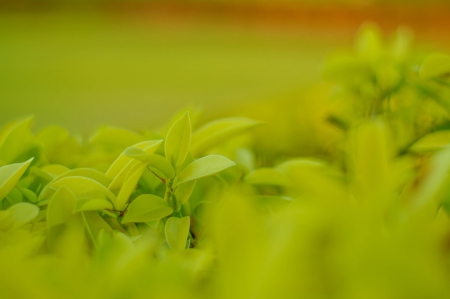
x=82 y=69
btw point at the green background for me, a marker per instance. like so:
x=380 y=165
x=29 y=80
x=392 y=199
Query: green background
x=83 y=69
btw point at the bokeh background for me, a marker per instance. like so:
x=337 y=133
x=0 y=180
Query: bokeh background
x=133 y=64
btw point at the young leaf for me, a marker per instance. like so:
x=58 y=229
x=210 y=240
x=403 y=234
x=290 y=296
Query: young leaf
x=92 y=205
x=368 y=43
x=184 y=191
x=110 y=138
x=15 y=196
x=177 y=230
x=273 y=203
x=147 y=207
x=135 y=152
x=30 y=195
x=58 y=146
x=435 y=65
x=203 y=167
x=160 y=163
x=10 y=175
x=373 y=181
x=19 y=215
x=178 y=141
x=129 y=184
x=16 y=140
x=215 y=132
x=153 y=161
x=200 y=210
x=118 y=181
x=309 y=178
x=85 y=188
x=79 y=172
x=41 y=174
x=55 y=170
x=115 y=250
x=245 y=158
x=267 y=176
x=95 y=225
x=88 y=173
x=431 y=142
x=61 y=206
x=115 y=225
x=149 y=147
x=434 y=187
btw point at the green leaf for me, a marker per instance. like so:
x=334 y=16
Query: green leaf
x=401 y=44
x=118 y=181
x=136 y=153
x=19 y=215
x=435 y=65
x=215 y=132
x=129 y=184
x=184 y=191
x=87 y=173
x=160 y=163
x=431 y=142
x=369 y=42
x=111 y=138
x=245 y=158
x=147 y=207
x=115 y=251
x=114 y=223
x=58 y=146
x=42 y=203
x=10 y=175
x=55 y=170
x=95 y=225
x=14 y=196
x=16 y=140
x=371 y=149
x=309 y=178
x=203 y=167
x=149 y=147
x=201 y=209
x=434 y=187
x=267 y=176
x=177 y=231
x=61 y=206
x=41 y=174
x=85 y=188
x=149 y=182
x=79 y=172
x=92 y=205
x=178 y=141
x=30 y=195
x=273 y=203
x=153 y=161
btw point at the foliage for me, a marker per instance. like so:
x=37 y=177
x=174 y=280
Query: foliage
x=169 y=214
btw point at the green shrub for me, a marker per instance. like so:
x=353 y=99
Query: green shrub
x=168 y=214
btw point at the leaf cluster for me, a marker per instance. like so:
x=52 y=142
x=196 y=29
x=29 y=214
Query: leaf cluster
x=198 y=213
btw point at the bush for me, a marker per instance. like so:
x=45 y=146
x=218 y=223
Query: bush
x=167 y=213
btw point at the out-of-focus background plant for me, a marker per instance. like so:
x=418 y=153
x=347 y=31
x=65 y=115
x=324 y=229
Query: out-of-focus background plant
x=224 y=149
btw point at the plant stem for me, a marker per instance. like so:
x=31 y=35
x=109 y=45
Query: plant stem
x=158 y=223
x=162 y=179
x=170 y=198
x=168 y=193
x=167 y=196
